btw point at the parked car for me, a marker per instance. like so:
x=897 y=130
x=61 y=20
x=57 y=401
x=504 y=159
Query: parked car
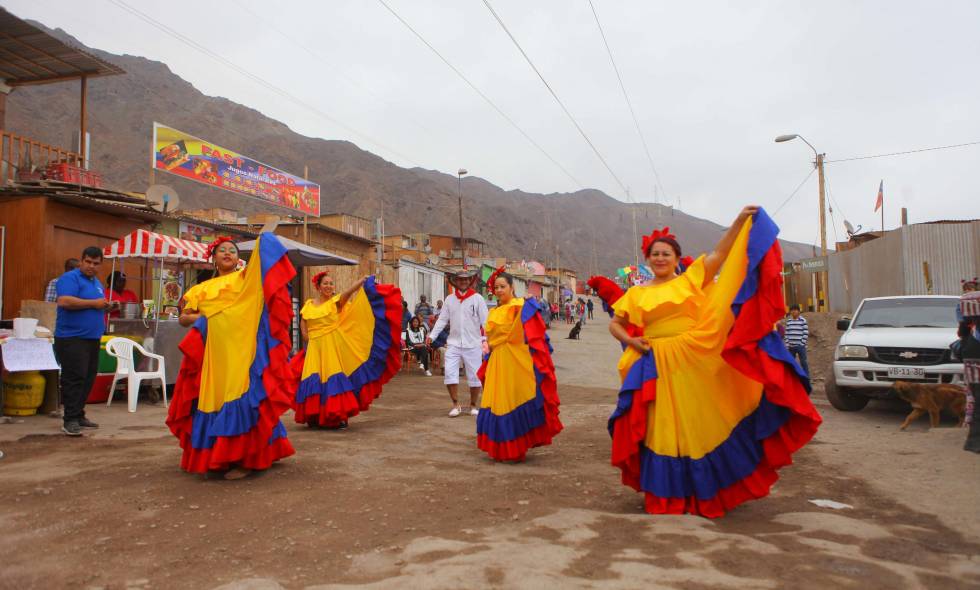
x=891 y=339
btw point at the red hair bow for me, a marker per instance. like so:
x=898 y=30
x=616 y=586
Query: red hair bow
x=318 y=277
x=656 y=235
x=493 y=277
x=217 y=242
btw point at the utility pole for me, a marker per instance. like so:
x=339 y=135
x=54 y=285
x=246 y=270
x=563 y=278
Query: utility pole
x=459 y=196
x=636 y=251
x=822 y=290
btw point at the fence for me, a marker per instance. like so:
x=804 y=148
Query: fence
x=22 y=154
x=921 y=259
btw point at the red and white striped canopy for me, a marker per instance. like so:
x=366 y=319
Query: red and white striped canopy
x=146 y=244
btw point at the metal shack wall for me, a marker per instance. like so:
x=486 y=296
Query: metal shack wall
x=892 y=264
x=872 y=270
x=950 y=250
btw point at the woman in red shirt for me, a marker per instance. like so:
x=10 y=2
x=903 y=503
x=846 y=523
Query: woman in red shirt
x=116 y=291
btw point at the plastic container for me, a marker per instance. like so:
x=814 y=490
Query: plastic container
x=24 y=327
x=64 y=172
x=23 y=393
x=100 y=388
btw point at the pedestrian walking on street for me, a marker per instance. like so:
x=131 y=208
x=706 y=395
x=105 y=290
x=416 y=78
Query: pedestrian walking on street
x=79 y=327
x=519 y=409
x=465 y=312
x=796 y=335
x=707 y=413
x=591 y=306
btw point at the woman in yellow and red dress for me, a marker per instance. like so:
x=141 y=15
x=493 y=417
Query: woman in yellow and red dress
x=234 y=380
x=353 y=348
x=520 y=402
x=711 y=403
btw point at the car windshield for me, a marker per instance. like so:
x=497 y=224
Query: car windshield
x=907 y=313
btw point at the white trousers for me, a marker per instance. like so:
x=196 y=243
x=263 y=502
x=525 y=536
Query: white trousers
x=472 y=359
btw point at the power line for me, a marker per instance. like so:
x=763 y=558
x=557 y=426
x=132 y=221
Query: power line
x=553 y=94
x=626 y=97
x=480 y=93
x=224 y=61
x=265 y=23
x=929 y=149
x=793 y=194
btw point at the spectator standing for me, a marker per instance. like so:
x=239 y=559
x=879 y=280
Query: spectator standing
x=51 y=291
x=406 y=315
x=116 y=291
x=591 y=306
x=423 y=310
x=797 y=332
x=80 y=325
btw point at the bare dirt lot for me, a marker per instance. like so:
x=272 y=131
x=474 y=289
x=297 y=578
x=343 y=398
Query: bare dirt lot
x=403 y=499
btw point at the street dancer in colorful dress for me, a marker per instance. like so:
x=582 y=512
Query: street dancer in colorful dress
x=519 y=410
x=353 y=348
x=711 y=403
x=233 y=383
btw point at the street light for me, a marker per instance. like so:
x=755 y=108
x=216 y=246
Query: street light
x=459 y=197
x=823 y=219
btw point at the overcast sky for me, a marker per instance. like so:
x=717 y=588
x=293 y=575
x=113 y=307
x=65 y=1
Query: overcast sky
x=712 y=83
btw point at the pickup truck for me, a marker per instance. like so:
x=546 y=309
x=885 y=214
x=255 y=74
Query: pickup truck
x=891 y=339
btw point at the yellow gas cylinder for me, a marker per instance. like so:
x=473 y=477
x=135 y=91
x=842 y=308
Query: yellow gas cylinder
x=23 y=393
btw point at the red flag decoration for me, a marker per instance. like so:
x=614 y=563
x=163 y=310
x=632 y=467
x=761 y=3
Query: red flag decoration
x=881 y=196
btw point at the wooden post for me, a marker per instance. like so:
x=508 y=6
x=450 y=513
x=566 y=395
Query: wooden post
x=822 y=286
x=81 y=122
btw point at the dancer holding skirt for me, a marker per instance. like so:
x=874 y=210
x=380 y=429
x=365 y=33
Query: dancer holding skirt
x=711 y=403
x=353 y=348
x=233 y=383
x=520 y=402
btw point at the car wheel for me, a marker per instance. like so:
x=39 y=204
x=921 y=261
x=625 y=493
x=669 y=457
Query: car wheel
x=842 y=398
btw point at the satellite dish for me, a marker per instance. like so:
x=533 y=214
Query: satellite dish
x=849 y=227
x=163 y=198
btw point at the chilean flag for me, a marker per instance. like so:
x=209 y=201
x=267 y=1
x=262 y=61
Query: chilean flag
x=881 y=196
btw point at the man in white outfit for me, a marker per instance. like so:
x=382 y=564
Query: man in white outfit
x=466 y=313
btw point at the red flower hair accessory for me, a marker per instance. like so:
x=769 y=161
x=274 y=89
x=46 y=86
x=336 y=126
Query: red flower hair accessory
x=217 y=242
x=318 y=277
x=493 y=277
x=656 y=235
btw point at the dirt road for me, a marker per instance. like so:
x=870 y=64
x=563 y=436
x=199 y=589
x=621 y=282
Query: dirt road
x=403 y=499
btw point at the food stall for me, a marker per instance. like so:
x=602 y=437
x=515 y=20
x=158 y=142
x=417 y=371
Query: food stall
x=154 y=323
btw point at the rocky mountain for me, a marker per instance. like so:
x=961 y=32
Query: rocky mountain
x=590 y=229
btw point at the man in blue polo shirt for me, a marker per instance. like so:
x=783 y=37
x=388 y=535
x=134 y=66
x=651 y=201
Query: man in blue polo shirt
x=80 y=325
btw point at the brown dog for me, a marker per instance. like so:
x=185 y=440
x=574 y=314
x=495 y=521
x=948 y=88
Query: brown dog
x=931 y=398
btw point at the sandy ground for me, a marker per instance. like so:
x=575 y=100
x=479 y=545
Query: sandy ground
x=403 y=499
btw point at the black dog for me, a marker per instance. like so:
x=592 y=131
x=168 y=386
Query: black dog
x=574 y=334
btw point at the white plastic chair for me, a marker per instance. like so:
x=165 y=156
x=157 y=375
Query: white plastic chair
x=122 y=350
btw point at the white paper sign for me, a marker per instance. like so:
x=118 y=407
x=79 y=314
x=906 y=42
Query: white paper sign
x=28 y=354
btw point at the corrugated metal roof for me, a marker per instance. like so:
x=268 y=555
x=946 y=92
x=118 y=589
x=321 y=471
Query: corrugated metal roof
x=28 y=55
